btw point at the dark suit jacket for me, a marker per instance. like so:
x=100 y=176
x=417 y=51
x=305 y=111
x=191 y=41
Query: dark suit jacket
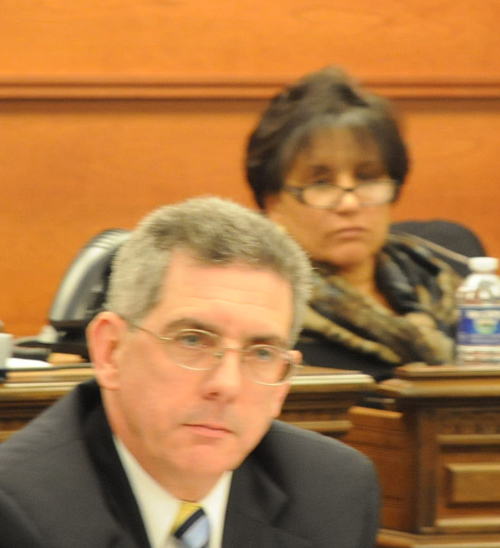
x=62 y=485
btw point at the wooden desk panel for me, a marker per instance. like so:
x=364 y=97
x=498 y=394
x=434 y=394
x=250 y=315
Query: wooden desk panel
x=386 y=439
x=26 y=394
x=437 y=450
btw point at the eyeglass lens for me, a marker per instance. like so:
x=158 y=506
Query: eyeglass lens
x=196 y=349
x=327 y=195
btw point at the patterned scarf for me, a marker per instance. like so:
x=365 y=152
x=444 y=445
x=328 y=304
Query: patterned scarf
x=419 y=287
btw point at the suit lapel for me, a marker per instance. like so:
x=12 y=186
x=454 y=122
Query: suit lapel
x=114 y=481
x=254 y=506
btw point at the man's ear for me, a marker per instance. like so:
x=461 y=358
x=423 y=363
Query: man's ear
x=283 y=389
x=280 y=394
x=103 y=336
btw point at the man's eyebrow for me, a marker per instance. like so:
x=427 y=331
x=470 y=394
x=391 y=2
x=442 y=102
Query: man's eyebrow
x=190 y=323
x=273 y=340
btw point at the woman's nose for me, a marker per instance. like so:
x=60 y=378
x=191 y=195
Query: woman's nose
x=349 y=199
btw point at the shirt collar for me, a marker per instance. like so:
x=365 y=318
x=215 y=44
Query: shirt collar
x=159 y=508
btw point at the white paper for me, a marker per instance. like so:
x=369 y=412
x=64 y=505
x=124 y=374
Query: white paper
x=21 y=363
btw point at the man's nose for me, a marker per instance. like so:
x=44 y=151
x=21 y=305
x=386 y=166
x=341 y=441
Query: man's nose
x=226 y=378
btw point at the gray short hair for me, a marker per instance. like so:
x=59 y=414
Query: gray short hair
x=213 y=231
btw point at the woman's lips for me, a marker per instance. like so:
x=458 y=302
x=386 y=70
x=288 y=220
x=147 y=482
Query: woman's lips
x=349 y=232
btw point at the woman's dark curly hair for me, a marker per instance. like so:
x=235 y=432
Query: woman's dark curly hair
x=322 y=99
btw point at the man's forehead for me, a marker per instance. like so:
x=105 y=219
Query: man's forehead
x=182 y=259
x=191 y=283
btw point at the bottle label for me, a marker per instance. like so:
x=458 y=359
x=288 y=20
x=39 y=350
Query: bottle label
x=479 y=325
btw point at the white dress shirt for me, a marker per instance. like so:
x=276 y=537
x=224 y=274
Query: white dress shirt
x=159 y=508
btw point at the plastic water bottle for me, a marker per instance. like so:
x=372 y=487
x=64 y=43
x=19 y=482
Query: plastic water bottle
x=478 y=300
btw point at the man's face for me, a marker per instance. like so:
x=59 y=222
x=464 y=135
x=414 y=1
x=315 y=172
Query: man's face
x=180 y=422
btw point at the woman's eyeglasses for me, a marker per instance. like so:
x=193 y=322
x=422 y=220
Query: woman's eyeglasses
x=328 y=196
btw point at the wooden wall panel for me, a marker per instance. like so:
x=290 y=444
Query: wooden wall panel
x=455 y=164
x=108 y=109
x=429 y=39
x=74 y=168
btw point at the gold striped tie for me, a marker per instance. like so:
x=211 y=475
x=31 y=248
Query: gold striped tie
x=190 y=527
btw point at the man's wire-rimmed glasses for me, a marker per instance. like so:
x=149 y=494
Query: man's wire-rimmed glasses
x=201 y=350
x=328 y=196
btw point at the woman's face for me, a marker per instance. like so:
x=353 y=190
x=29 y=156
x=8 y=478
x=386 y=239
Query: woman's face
x=350 y=235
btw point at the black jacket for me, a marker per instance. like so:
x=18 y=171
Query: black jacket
x=62 y=485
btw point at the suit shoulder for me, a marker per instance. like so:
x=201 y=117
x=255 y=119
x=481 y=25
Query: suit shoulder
x=50 y=451
x=332 y=490
x=298 y=455
x=57 y=426
x=305 y=445
x=47 y=479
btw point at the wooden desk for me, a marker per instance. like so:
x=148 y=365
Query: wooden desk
x=437 y=450
x=319 y=399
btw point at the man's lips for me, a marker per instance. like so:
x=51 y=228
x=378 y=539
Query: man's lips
x=209 y=430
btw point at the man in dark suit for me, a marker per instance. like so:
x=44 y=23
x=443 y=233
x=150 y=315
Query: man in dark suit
x=192 y=366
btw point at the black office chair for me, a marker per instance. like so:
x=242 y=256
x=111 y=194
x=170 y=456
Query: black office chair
x=80 y=297
x=448 y=240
